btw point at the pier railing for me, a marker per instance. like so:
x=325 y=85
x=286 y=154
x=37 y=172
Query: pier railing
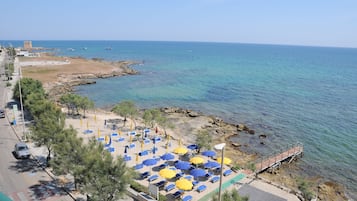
x=275 y=159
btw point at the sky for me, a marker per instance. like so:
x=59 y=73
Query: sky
x=299 y=22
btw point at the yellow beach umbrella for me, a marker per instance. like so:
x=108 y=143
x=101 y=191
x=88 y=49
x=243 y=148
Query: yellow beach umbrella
x=167 y=173
x=197 y=160
x=130 y=138
x=119 y=132
x=226 y=160
x=184 y=184
x=180 y=150
x=142 y=145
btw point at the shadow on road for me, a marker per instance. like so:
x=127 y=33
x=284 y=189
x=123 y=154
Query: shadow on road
x=46 y=189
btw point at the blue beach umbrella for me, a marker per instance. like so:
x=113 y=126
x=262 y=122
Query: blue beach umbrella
x=150 y=162
x=192 y=146
x=211 y=164
x=167 y=156
x=209 y=153
x=183 y=165
x=198 y=172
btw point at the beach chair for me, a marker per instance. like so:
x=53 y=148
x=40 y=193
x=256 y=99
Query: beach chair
x=169 y=187
x=188 y=177
x=177 y=194
x=187 y=198
x=214 y=179
x=162 y=166
x=138 y=166
x=178 y=175
x=195 y=183
x=153 y=178
x=201 y=188
x=127 y=158
x=208 y=175
x=147 y=141
x=144 y=175
x=143 y=153
x=160 y=184
x=132 y=145
x=227 y=172
x=120 y=139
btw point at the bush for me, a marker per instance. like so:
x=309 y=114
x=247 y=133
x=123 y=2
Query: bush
x=8 y=84
x=305 y=188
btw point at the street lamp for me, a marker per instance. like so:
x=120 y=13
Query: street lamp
x=220 y=147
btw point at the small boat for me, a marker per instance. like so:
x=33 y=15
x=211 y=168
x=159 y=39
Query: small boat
x=108 y=48
x=71 y=49
x=84 y=48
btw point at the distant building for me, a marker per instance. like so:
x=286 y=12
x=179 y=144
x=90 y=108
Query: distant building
x=27 y=45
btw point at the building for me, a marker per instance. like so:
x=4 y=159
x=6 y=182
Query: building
x=27 y=45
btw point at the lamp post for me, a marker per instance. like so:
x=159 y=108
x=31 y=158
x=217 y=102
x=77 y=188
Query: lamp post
x=220 y=147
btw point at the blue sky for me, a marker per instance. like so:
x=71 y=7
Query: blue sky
x=299 y=22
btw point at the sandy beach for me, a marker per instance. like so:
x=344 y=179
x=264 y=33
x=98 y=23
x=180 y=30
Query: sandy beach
x=57 y=72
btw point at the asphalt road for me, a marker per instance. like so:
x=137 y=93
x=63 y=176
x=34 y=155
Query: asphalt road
x=21 y=180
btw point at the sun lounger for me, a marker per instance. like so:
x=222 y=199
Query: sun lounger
x=132 y=145
x=195 y=183
x=201 y=188
x=138 y=166
x=187 y=198
x=188 y=177
x=160 y=184
x=143 y=153
x=120 y=139
x=127 y=158
x=114 y=134
x=208 y=175
x=153 y=178
x=169 y=187
x=178 y=175
x=214 y=179
x=227 y=172
x=145 y=175
x=162 y=166
x=147 y=141
x=177 y=194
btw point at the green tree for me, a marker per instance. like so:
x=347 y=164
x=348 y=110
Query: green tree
x=85 y=103
x=105 y=178
x=126 y=109
x=151 y=116
x=232 y=195
x=203 y=140
x=28 y=86
x=165 y=123
x=70 y=155
x=48 y=125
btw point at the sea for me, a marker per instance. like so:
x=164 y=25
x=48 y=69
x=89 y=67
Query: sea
x=289 y=93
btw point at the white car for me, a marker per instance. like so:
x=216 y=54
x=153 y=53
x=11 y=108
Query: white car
x=21 y=150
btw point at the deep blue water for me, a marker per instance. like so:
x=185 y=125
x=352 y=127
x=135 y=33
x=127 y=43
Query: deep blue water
x=290 y=93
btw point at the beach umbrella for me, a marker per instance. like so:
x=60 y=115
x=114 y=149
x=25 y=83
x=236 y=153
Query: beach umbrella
x=211 y=164
x=183 y=165
x=130 y=138
x=184 y=184
x=209 y=153
x=167 y=156
x=142 y=145
x=167 y=173
x=180 y=150
x=197 y=160
x=137 y=158
x=126 y=149
x=192 y=146
x=150 y=162
x=226 y=160
x=198 y=172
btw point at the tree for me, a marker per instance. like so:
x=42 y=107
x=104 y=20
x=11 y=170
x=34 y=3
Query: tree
x=28 y=86
x=70 y=154
x=151 y=116
x=126 y=109
x=49 y=124
x=203 y=140
x=85 y=103
x=105 y=178
x=165 y=123
x=232 y=195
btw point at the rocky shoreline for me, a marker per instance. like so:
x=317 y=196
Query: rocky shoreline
x=187 y=122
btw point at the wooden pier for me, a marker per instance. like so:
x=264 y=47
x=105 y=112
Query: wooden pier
x=274 y=161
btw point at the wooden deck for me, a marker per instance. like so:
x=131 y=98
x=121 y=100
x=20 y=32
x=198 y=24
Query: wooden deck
x=276 y=160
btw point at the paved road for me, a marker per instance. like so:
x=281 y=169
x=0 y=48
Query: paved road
x=21 y=180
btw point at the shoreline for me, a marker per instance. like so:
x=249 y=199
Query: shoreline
x=64 y=81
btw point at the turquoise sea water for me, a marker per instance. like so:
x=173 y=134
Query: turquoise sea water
x=289 y=93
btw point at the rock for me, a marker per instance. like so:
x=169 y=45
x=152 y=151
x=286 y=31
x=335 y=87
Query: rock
x=193 y=114
x=236 y=144
x=252 y=132
x=241 y=127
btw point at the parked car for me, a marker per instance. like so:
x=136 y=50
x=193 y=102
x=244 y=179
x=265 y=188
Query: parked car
x=144 y=197
x=2 y=113
x=22 y=151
